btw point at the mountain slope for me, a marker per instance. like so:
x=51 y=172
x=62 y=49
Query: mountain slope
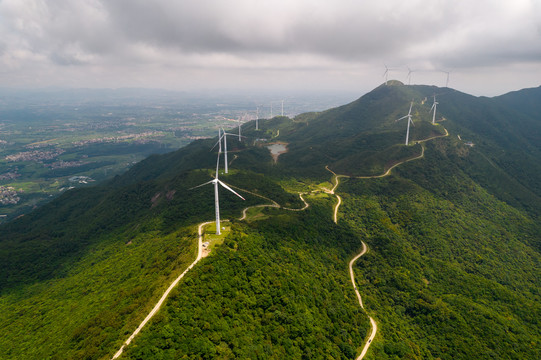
x=453 y=237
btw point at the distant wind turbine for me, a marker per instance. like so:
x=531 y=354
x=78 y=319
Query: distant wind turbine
x=433 y=108
x=282 y=107
x=447 y=78
x=216 y=181
x=219 y=143
x=386 y=73
x=257 y=118
x=409 y=75
x=239 y=129
x=409 y=121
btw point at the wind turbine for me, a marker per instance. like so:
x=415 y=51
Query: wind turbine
x=216 y=181
x=409 y=75
x=282 y=107
x=447 y=79
x=409 y=121
x=239 y=129
x=386 y=73
x=257 y=118
x=434 y=105
x=221 y=135
x=224 y=137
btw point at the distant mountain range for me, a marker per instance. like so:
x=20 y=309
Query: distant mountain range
x=453 y=230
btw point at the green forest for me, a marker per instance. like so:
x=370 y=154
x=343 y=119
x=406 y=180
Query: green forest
x=453 y=233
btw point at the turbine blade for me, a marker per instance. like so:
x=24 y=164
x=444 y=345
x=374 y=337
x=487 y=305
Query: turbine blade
x=208 y=182
x=237 y=135
x=217 y=142
x=403 y=117
x=217 y=165
x=228 y=188
x=411 y=105
x=411 y=121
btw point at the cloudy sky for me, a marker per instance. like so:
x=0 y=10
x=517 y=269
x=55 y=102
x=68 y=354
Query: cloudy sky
x=489 y=46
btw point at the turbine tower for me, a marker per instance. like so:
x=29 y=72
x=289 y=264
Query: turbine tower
x=282 y=107
x=257 y=118
x=223 y=136
x=409 y=121
x=433 y=108
x=216 y=181
x=239 y=129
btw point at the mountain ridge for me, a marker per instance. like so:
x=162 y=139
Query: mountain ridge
x=474 y=191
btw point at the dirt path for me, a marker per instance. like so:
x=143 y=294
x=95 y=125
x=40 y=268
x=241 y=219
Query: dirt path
x=166 y=293
x=300 y=209
x=373 y=323
x=336 y=181
x=273 y=204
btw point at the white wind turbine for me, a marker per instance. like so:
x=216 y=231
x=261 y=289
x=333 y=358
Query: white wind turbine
x=409 y=121
x=257 y=118
x=223 y=135
x=433 y=108
x=239 y=129
x=216 y=181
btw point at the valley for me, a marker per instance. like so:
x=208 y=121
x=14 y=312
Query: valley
x=47 y=138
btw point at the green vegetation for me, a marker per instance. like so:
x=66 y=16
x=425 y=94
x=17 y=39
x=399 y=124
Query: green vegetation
x=100 y=297
x=453 y=270
x=445 y=278
x=276 y=289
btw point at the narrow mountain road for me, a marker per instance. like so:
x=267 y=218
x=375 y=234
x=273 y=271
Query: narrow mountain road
x=300 y=209
x=336 y=181
x=274 y=203
x=166 y=293
x=373 y=323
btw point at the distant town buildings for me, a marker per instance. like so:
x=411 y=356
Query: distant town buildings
x=35 y=155
x=8 y=196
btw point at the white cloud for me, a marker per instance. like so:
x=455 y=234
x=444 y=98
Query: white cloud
x=122 y=42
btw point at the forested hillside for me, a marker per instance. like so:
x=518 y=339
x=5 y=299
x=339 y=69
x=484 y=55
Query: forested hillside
x=452 y=271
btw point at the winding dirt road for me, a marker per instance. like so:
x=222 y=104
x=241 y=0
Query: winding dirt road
x=373 y=323
x=336 y=181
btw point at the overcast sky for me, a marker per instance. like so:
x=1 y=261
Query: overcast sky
x=489 y=46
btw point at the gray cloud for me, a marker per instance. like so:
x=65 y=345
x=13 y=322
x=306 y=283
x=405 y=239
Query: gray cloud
x=122 y=40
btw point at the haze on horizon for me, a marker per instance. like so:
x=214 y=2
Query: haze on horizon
x=490 y=47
